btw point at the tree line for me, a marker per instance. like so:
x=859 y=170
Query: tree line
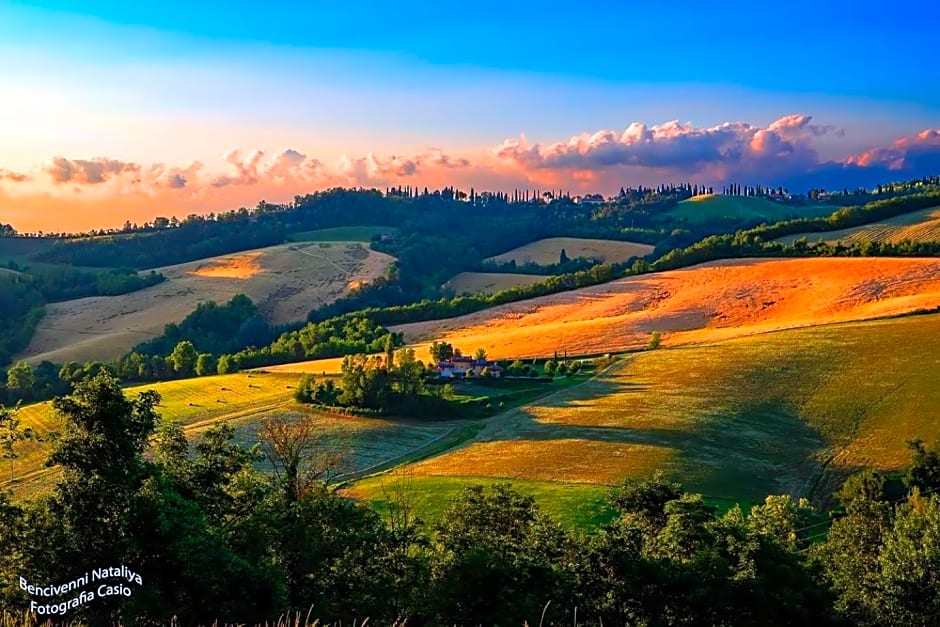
x=214 y=538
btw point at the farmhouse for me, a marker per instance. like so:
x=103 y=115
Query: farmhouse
x=459 y=367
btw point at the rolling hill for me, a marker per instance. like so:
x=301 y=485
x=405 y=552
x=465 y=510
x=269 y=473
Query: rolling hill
x=786 y=412
x=548 y=251
x=716 y=207
x=286 y=282
x=917 y=226
x=704 y=303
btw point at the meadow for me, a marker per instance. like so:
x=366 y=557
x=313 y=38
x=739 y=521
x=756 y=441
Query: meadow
x=917 y=226
x=489 y=282
x=548 y=251
x=787 y=412
x=285 y=281
x=710 y=207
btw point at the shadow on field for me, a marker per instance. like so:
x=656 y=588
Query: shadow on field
x=744 y=445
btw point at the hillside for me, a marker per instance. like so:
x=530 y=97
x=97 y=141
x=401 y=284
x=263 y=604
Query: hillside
x=917 y=226
x=489 y=282
x=717 y=207
x=548 y=251
x=285 y=281
x=785 y=412
x=704 y=303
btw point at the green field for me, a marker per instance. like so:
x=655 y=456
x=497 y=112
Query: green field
x=343 y=234
x=917 y=226
x=786 y=412
x=575 y=505
x=717 y=207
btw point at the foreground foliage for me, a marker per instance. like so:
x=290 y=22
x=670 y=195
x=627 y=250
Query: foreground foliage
x=215 y=540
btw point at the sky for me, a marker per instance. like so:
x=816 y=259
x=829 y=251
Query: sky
x=115 y=111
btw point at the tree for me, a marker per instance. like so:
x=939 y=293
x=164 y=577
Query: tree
x=366 y=384
x=409 y=373
x=909 y=561
x=441 y=351
x=499 y=560
x=924 y=470
x=480 y=354
x=205 y=365
x=101 y=452
x=655 y=340
x=389 y=351
x=11 y=433
x=298 y=456
x=227 y=364
x=183 y=358
x=563 y=258
x=21 y=380
x=550 y=367
x=304 y=391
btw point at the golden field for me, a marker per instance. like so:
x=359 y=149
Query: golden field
x=285 y=281
x=705 y=303
x=548 y=251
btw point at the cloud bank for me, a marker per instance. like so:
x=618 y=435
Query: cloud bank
x=783 y=152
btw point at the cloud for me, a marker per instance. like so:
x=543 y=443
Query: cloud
x=246 y=170
x=681 y=149
x=88 y=172
x=163 y=176
x=906 y=153
x=14 y=177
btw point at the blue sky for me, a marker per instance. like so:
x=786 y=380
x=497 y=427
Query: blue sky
x=174 y=83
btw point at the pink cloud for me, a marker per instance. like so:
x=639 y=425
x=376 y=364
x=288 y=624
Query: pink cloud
x=731 y=148
x=904 y=152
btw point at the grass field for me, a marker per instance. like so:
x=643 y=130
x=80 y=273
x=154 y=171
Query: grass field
x=548 y=251
x=245 y=401
x=918 y=226
x=705 y=303
x=716 y=207
x=580 y=506
x=489 y=282
x=343 y=234
x=786 y=412
x=286 y=282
